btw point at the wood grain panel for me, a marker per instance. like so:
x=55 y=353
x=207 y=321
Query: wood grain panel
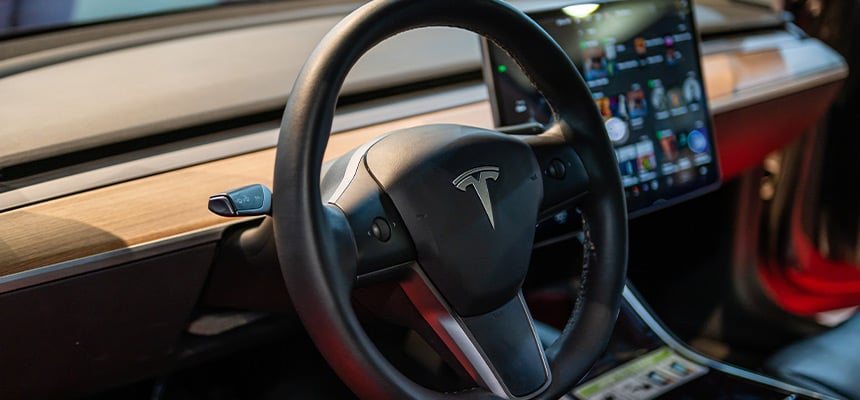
x=163 y=205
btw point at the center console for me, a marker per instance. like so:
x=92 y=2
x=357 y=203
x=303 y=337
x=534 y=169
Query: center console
x=644 y=361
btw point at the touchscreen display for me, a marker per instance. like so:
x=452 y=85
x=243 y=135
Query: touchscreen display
x=640 y=59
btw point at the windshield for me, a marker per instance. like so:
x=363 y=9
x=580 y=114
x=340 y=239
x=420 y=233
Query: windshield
x=27 y=16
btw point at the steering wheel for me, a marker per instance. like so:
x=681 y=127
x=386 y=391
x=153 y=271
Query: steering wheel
x=449 y=213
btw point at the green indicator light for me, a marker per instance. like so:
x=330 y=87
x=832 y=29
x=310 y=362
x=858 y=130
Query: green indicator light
x=651 y=83
x=503 y=68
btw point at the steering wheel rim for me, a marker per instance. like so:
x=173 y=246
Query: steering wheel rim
x=319 y=267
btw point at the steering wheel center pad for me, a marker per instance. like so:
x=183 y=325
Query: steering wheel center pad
x=469 y=198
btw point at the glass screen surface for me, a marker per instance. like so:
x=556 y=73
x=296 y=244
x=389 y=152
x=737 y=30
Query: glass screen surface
x=640 y=59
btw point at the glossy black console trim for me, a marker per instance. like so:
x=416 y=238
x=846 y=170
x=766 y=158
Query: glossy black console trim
x=643 y=312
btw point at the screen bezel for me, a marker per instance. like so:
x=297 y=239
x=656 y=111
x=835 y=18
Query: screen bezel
x=489 y=77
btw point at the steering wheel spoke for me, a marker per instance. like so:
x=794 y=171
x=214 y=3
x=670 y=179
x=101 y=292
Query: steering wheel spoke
x=381 y=240
x=500 y=349
x=565 y=180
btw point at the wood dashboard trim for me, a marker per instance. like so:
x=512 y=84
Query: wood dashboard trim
x=163 y=205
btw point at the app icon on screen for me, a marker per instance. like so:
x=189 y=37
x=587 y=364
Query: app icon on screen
x=636 y=104
x=668 y=41
x=618 y=106
x=658 y=98
x=697 y=142
x=668 y=144
x=676 y=97
x=692 y=90
x=639 y=45
x=595 y=64
x=604 y=106
x=673 y=56
x=645 y=159
x=617 y=130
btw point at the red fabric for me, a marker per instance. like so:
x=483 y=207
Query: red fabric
x=813 y=283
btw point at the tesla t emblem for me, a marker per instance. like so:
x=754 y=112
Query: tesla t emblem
x=477 y=178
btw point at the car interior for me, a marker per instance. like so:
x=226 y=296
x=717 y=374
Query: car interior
x=336 y=199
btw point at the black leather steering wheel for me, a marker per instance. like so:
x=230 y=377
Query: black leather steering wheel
x=449 y=212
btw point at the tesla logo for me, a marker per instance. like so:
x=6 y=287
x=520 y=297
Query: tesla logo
x=477 y=178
